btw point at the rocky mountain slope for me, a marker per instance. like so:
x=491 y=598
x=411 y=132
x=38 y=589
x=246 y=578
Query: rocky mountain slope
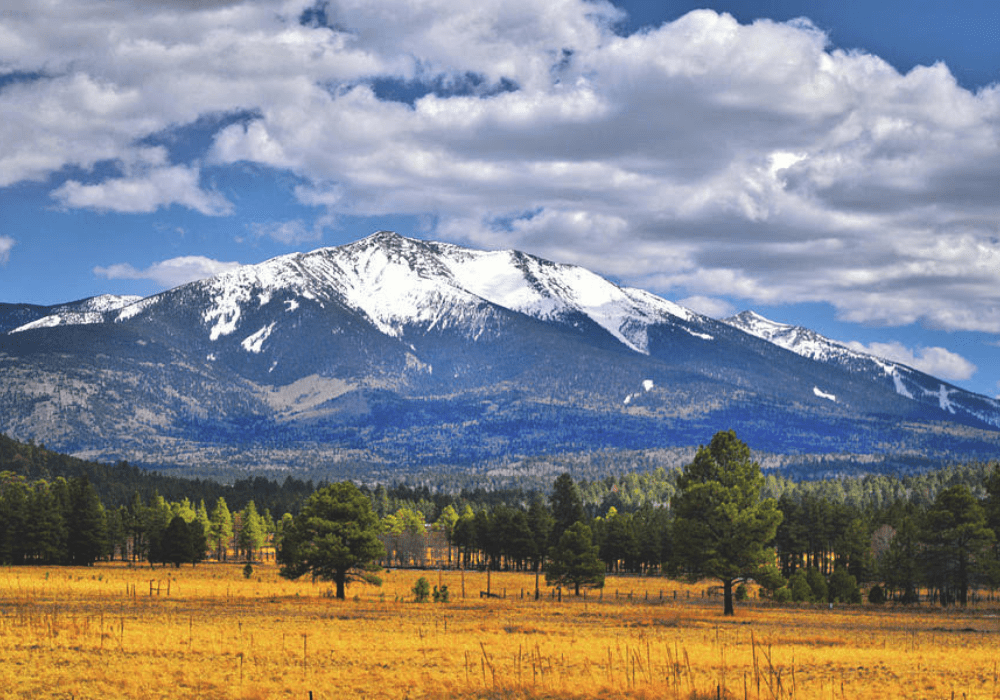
x=396 y=354
x=905 y=381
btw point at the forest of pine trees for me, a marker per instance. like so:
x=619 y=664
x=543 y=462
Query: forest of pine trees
x=932 y=535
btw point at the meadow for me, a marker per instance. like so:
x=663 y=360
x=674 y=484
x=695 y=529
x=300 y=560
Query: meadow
x=208 y=632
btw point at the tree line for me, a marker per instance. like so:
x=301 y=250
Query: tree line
x=63 y=521
x=721 y=523
x=932 y=535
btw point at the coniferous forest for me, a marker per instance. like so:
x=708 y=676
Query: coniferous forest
x=930 y=536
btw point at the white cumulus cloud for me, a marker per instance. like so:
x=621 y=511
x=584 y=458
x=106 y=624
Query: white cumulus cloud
x=704 y=157
x=6 y=243
x=709 y=306
x=169 y=273
x=145 y=193
x=935 y=361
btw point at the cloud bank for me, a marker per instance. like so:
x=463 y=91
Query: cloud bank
x=937 y=362
x=702 y=157
x=169 y=273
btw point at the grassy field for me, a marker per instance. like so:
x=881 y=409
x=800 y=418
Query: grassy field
x=207 y=632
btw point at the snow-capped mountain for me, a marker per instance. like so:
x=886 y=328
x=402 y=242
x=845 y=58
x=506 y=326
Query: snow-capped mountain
x=395 y=351
x=93 y=310
x=396 y=282
x=905 y=381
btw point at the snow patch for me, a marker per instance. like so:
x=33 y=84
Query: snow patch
x=647 y=384
x=943 y=399
x=823 y=395
x=897 y=382
x=703 y=336
x=46 y=322
x=134 y=309
x=254 y=343
x=291 y=304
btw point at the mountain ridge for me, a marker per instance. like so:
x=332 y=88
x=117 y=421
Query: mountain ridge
x=906 y=381
x=394 y=353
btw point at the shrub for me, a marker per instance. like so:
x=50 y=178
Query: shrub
x=876 y=596
x=441 y=596
x=783 y=595
x=742 y=593
x=422 y=590
x=799 y=587
x=844 y=587
x=817 y=584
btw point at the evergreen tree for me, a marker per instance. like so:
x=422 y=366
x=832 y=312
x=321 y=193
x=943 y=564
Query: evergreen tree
x=991 y=506
x=45 y=527
x=959 y=544
x=446 y=524
x=87 y=539
x=179 y=543
x=251 y=536
x=854 y=550
x=465 y=535
x=651 y=528
x=15 y=496
x=184 y=509
x=843 y=587
x=220 y=532
x=334 y=538
x=721 y=525
x=201 y=515
x=575 y=560
x=900 y=567
x=618 y=545
x=567 y=506
x=197 y=542
x=517 y=538
x=156 y=517
x=540 y=522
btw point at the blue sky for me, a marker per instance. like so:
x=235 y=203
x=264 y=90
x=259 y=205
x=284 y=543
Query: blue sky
x=829 y=164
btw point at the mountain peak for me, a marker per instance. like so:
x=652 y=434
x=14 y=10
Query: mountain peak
x=749 y=319
x=383 y=237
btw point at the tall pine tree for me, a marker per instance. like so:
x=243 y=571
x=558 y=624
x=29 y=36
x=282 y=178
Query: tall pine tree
x=721 y=525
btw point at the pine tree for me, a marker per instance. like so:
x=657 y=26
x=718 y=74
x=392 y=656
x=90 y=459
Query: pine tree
x=959 y=549
x=251 y=537
x=221 y=529
x=541 y=522
x=575 y=560
x=87 y=539
x=446 y=524
x=334 y=538
x=567 y=506
x=722 y=526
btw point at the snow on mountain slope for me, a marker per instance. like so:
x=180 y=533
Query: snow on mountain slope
x=906 y=381
x=396 y=282
x=340 y=351
x=93 y=310
x=550 y=291
x=799 y=340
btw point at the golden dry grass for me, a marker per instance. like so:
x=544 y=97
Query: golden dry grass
x=99 y=633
